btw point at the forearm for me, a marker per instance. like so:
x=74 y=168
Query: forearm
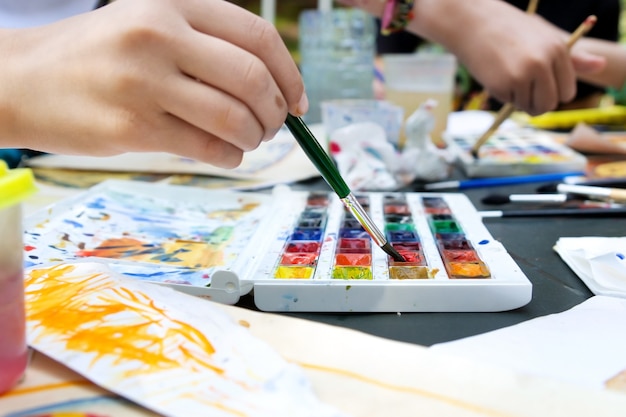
x=8 y=102
x=446 y=22
x=440 y=21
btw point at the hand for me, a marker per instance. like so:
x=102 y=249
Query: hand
x=203 y=79
x=518 y=58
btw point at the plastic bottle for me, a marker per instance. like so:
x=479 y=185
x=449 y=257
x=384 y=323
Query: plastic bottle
x=15 y=185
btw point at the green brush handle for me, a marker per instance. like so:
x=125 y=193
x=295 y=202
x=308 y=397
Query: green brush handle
x=317 y=155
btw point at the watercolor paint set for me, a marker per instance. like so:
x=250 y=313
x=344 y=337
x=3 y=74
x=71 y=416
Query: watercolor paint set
x=291 y=250
x=515 y=152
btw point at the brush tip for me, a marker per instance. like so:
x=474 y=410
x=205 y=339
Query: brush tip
x=547 y=188
x=496 y=199
x=391 y=251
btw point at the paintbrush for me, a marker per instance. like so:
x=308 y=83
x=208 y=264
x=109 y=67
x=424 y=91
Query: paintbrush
x=500 y=199
x=605 y=193
x=532 y=6
x=568 y=201
x=606 y=182
x=508 y=108
x=331 y=175
x=557 y=212
x=502 y=115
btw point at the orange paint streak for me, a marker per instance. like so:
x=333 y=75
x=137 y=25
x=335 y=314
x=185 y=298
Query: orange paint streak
x=233 y=215
x=47 y=387
x=186 y=253
x=453 y=402
x=100 y=319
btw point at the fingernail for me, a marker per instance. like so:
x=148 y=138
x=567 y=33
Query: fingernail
x=303 y=105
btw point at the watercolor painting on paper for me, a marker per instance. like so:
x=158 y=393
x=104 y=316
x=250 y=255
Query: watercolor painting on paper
x=179 y=239
x=172 y=353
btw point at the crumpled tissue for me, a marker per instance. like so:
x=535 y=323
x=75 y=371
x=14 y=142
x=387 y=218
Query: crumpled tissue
x=367 y=160
x=600 y=262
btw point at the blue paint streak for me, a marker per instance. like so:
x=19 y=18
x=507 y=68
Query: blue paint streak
x=97 y=204
x=78 y=406
x=150 y=219
x=73 y=223
x=159 y=232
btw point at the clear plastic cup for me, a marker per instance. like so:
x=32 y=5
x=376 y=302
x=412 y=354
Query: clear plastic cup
x=340 y=113
x=15 y=185
x=411 y=79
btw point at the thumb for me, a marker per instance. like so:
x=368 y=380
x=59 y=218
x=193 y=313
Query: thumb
x=588 y=63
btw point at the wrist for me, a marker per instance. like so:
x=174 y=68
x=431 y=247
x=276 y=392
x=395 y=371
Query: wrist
x=397 y=14
x=447 y=22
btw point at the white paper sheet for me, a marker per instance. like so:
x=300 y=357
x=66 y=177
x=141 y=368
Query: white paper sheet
x=279 y=161
x=584 y=345
x=474 y=122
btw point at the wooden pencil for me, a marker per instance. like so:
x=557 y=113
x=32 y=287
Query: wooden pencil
x=508 y=108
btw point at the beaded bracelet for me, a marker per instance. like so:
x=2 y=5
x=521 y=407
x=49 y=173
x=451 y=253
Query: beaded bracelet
x=396 y=15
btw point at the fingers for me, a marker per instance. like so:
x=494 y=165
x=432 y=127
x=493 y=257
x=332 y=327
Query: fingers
x=237 y=75
x=250 y=32
x=213 y=111
x=565 y=78
x=538 y=84
x=178 y=137
x=523 y=94
x=588 y=63
x=543 y=92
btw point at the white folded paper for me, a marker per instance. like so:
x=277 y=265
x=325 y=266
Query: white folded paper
x=600 y=262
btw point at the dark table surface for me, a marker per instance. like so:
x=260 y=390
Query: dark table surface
x=529 y=240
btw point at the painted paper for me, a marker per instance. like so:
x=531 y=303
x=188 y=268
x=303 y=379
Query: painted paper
x=153 y=236
x=175 y=354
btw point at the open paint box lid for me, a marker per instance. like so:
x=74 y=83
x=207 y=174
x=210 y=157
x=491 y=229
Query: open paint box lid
x=291 y=250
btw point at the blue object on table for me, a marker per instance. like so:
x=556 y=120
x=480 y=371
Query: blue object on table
x=491 y=182
x=12 y=157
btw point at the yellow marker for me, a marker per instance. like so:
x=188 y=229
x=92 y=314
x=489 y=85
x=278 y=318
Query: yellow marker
x=567 y=119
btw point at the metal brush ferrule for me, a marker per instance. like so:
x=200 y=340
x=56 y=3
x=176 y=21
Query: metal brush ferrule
x=357 y=210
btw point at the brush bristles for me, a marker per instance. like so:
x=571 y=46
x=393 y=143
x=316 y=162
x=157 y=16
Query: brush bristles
x=391 y=251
